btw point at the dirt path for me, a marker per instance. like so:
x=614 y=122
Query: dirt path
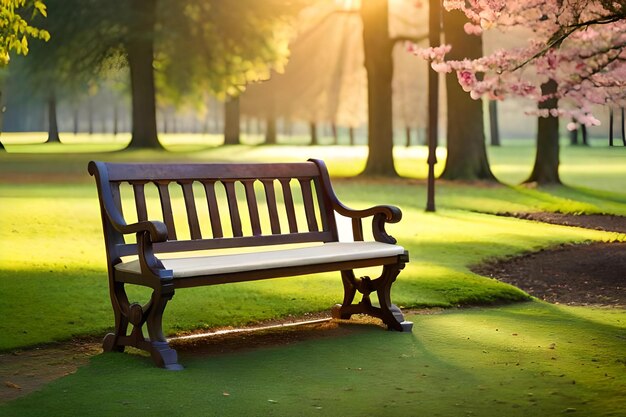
x=589 y=274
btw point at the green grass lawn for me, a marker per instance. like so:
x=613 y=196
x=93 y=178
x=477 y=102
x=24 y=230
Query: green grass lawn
x=53 y=287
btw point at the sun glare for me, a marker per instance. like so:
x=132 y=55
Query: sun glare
x=349 y=4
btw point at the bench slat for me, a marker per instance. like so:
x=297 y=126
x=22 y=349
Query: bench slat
x=270 y=196
x=140 y=201
x=129 y=249
x=192 y=213
x=233 y=207
x=357 y=229
x=288 y=198
x=309 y=208
x=214 y=212
x=253 y=208
x=117 y=199
x=166 y=209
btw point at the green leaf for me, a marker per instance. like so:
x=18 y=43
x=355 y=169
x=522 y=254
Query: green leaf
x=41 y=7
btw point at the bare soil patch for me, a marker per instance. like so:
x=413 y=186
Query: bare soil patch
x=587 y=274
x=590 y=274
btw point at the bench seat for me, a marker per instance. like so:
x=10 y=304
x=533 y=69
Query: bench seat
x=284 y=258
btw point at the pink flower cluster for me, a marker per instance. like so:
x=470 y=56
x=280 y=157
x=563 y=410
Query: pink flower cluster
x=581 y=44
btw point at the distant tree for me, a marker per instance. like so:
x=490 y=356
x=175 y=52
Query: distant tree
x=493 y=123
x=228 y=44
x=231 y=121
x=195 y=46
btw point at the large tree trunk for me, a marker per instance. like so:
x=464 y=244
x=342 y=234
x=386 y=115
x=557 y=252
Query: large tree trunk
x=231 y=121
x=379 y=65
x=53 y=126
x=467 y=153
x=140 y=49
x=546 y=169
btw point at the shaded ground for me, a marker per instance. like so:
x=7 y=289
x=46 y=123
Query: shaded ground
x=590 y=274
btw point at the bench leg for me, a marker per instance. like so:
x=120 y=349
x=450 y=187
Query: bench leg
x=150 y=314
x=389 y=313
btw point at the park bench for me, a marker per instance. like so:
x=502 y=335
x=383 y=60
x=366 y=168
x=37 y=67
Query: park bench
x=299 y=235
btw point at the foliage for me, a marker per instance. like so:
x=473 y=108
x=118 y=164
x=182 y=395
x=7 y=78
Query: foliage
x=15 y=29
x=218 y=47
x=581 y=44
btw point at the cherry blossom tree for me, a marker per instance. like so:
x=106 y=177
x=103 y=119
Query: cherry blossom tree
x=574 y=59
x=580 y=44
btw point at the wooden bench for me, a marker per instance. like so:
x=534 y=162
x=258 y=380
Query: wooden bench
x=299 y=207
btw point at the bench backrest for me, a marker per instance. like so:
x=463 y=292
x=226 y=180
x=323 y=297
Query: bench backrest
x=244 y=204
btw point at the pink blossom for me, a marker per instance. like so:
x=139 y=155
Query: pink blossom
x=472 y=29
x=441 y=67
x=467 y=79
x=588 y=63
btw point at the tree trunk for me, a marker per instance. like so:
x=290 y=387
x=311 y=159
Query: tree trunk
x=583 y=131
x=573 y=136
x=53 y=127
x=623 y=129
x=335 y=134
x=75 y=121
x=351 y=135
x=115 y=120
x=231 y=121
x=270 y=130
x=494 y=129
x=140 y=49
x=313 y=132
x=379 y=66
x=90 y=116
x=546 y=169
x=467 y=153
x=611 y=127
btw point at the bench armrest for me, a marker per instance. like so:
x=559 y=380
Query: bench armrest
x=148 y=231
x=381 y=214
x=156 y=229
